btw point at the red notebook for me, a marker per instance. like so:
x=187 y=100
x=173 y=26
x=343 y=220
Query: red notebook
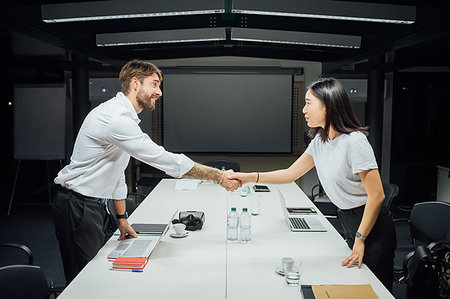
x=130 y=262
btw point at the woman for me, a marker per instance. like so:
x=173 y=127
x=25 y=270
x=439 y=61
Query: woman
x=348 y=172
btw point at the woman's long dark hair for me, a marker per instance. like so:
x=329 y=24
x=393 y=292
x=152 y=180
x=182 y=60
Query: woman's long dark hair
x=338 y=109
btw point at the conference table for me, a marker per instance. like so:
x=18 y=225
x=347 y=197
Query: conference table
x=205 y=265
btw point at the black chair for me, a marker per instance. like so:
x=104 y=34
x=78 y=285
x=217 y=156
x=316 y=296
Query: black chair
x=428 y=222
x=390 y=192
x=327 y=208
x=130 y=206
x=23 y=280
x=224 y=164
x=145 y=178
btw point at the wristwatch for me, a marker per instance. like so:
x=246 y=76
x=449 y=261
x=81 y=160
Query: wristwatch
x=122 y=216
x=359 y=236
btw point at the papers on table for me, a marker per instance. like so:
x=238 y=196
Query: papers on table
x=338 y=291
x=187 y=184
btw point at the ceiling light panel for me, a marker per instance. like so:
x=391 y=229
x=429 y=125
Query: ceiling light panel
x=160 y=37
x=326 y=9
x=119 y=9
x=296 y=38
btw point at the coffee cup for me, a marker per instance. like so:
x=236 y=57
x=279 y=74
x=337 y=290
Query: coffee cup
x=179 y=228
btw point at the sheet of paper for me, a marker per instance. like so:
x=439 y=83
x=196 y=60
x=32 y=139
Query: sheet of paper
x=187 y=184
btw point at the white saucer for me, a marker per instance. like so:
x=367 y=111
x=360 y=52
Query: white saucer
x=174 y=235
x=279 y=270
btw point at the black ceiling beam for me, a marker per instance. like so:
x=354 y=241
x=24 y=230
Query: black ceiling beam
x=427 y=30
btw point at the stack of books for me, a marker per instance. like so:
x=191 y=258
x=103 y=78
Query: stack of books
x=123 y=262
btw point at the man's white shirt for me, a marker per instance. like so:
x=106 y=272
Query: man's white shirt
x=109 y=135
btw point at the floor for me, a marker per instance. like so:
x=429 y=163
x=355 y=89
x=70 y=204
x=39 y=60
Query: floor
x=32 y=225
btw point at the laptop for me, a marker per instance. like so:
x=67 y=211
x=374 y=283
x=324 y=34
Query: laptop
x=301 y=219
x=139 y=247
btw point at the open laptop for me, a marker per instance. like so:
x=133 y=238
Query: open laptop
x=138 y=247
x=301 y=219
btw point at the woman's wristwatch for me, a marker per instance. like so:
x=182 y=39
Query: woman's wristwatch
x=359 y=236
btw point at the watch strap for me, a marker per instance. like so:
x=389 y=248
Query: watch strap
x=359 y=236
x=122 y=216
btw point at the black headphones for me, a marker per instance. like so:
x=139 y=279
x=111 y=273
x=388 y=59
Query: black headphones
x=192 y=223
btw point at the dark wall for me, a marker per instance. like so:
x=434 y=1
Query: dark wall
x=420 y=134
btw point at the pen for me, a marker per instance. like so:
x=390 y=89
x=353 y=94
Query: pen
x=127 y=270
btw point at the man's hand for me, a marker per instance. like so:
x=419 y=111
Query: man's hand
x=126 y=231
x=230 y=184
x=244 y=178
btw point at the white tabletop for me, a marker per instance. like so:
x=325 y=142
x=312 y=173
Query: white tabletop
x=205 y=265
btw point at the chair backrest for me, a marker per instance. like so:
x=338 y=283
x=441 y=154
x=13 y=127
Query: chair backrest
x=316 y=191
x=14 y=252
x=430 y=221
x=130 y=205
x=227 y=164
x=23 y=281
x=390 y=192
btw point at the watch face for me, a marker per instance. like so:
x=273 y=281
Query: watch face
x=359 y=236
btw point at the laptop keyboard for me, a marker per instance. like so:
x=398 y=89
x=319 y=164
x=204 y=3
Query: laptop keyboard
x=138 y=248
x=299 y=223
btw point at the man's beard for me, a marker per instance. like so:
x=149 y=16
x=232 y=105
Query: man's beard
x=144 y=100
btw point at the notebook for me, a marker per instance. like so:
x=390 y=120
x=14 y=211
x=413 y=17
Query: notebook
x=305 y=221
x=149 y=228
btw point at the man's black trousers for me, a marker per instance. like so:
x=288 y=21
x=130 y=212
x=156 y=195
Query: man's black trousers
x=82 y=226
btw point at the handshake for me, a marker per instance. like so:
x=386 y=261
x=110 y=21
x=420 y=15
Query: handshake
x=233 y=180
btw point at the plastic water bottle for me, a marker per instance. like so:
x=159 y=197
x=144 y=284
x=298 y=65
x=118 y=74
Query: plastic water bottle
x=232 y=225
x=245 y=225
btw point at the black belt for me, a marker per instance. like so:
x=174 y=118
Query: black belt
x=89 y=198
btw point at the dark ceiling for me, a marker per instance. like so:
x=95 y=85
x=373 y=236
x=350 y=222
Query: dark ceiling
x=425 y=42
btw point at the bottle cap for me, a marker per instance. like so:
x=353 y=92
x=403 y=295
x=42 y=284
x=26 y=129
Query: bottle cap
x=233 y=209
x=244 y=210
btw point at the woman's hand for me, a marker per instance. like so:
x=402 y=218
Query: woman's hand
x=356 y=255
x=243 y=177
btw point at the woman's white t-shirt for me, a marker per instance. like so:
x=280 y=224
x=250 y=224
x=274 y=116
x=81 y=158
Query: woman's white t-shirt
x=338 y=163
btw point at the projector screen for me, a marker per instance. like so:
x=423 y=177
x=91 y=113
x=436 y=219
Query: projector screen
x=239 y=112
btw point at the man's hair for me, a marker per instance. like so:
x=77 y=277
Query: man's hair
x=338 y=109
x=139 y=69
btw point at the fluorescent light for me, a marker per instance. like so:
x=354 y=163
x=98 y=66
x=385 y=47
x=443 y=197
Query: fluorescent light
x=326 y=9
x=119 y=9
x=296 y=38
x=160 y=37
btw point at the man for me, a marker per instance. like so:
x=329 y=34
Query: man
x=109 y=135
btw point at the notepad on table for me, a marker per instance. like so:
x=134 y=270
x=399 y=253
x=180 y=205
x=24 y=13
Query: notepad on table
x=333 y=291
x=130 y=263
x=187 y=184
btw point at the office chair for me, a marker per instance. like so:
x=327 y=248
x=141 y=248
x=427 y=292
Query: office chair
x=428 y=222
x=328 y=209
x=224 y=164
x=147 y=177
x=130 y=206
x=390 y=192
x=23 y=281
